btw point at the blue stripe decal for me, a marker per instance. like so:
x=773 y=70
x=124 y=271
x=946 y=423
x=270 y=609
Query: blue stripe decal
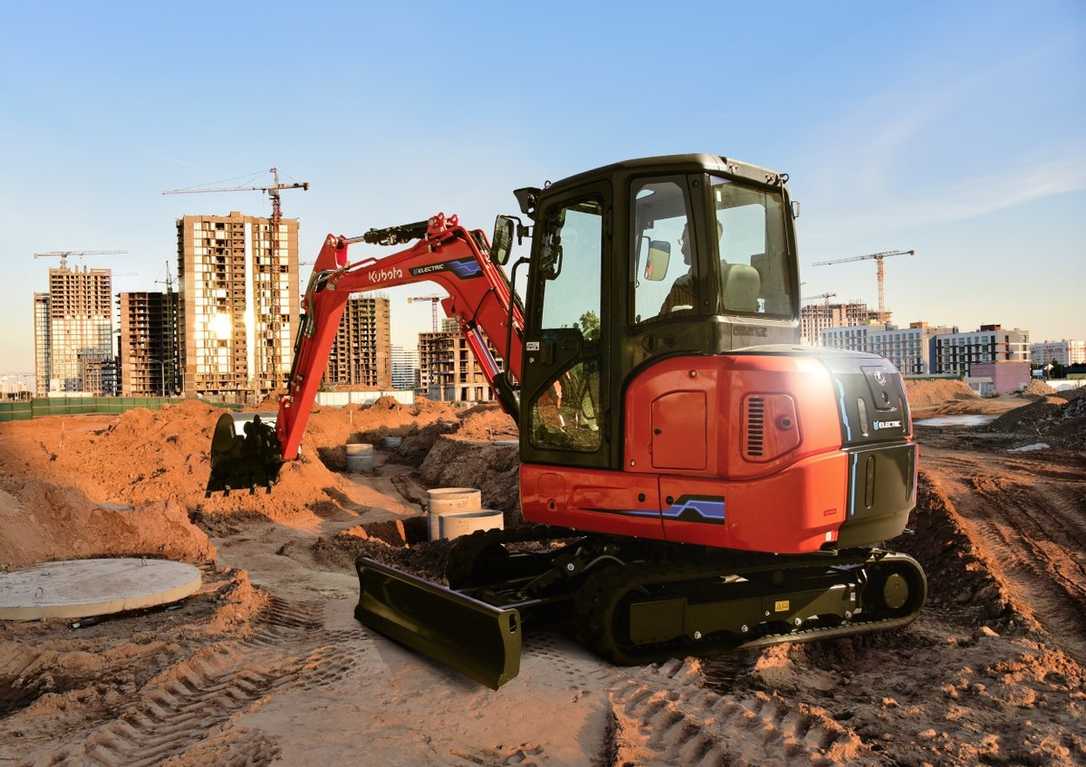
x=465 y=267
x=705 y=509
x=855 y=459
x=844 y=412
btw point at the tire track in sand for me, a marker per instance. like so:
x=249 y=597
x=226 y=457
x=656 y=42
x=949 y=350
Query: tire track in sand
x=187 y=710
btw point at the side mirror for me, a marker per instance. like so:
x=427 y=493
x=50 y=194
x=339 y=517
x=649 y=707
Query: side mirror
x=658 y=260
x=501 y=244
x=795 y=209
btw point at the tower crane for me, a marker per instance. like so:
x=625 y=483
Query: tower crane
x=434 y=302
x=64 y=255
x=273 y=191
x=824 y=296
x=880 y=269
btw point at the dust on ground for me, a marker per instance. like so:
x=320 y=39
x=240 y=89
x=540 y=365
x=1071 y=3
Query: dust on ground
x=267 y=663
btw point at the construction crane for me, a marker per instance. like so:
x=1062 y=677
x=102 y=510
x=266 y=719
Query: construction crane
x=64 y=255
x=824 y=296
x=435 y=301
x=273 y=191
x=880 y=269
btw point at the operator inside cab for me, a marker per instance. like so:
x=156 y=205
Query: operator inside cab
x=681 y=296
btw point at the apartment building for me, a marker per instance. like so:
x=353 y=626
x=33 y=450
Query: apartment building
x=405 y=368
x=957 y=352
x=239 y=304
x=448 y=371
x=815 y=318
x=911 y=349
x=73 y=330
x=149 y=358
x=361 y=354
x=1066 y=352
x=41 y=344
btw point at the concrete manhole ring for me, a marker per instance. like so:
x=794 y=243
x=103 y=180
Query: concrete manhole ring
x=81 y=588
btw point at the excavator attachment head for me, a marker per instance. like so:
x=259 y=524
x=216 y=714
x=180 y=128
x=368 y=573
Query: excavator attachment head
x=243 y=461
x=477 y=639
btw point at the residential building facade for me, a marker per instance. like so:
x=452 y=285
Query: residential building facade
x=815 y=318
x=361 y=354
x=41 y=344
x=911 y=349
x=1066 y=352
x=239 y=304
x=957 y=352
x=405 y=368
x=149 y=359
x=448 y=370
x=73 y=329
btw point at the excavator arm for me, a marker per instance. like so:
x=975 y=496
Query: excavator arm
x=480 y=298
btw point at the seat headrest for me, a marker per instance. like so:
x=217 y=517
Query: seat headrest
x=742 y=286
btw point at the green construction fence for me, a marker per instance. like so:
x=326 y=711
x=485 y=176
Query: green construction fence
x=23 y=410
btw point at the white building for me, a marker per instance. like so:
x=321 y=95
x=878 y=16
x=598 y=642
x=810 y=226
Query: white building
x=405 y=368
x=1066 y=352
x=957 y=352
x=911 y=349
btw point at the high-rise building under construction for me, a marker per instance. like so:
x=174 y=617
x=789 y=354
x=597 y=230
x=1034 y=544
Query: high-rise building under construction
x=361 y=354
x=73 y=331
x=149 y=358
x=239 y=304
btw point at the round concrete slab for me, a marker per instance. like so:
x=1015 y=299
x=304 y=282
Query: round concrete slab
x=80 y=588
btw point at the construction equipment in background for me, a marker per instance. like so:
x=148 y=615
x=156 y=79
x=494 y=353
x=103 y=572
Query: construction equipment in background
x=64 y=255
x=825 y=297
x=880 y=270
x=273 y=191
x=694 y=493
x=434 y=302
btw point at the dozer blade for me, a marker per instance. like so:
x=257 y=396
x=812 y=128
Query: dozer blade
x=477 y=639
x=243 y=462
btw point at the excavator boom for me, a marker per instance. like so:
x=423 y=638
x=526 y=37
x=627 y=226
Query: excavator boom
x=480 y=297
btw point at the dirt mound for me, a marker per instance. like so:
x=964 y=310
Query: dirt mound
x=1059 y=418
x=485 y=422
x=1037 y=388
x=959 y=576
x=493 y=469
x=145 y=456
x=42 y=521
x=927 y=393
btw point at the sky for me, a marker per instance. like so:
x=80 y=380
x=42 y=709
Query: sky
x=955 y=129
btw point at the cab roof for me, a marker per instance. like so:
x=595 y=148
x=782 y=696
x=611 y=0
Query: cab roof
x=680 y=163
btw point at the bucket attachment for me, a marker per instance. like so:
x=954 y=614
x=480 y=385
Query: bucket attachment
x=477 y=639
x=239 y=462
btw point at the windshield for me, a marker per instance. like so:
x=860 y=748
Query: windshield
x=755 y=276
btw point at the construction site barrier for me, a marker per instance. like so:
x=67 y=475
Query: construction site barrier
x=24 y=410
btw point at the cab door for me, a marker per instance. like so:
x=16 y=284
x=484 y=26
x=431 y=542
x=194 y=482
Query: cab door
x=564 y=388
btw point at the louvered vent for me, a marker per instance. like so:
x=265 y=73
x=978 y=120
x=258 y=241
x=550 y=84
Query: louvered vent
x=755 y=426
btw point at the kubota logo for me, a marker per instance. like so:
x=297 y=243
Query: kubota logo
x=386 y=274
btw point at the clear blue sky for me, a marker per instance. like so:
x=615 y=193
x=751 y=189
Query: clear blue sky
x=954 y=129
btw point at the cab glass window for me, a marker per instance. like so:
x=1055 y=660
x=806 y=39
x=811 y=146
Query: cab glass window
x=663 y=259
x=573 y=264
x=755 y=275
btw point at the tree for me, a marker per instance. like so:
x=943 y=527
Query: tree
x=1056 y=370
x=590 y=326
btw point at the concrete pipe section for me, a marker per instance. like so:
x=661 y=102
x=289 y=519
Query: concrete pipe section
x=359 y=457
x=449 y=500
x=460 y=523
x=82 y=588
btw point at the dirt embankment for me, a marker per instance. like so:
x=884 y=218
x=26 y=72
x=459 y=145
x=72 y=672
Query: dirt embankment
x=1058 y=419
x=925 y=394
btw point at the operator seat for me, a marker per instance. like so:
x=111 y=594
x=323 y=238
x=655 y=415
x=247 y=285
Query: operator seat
x=742 y=286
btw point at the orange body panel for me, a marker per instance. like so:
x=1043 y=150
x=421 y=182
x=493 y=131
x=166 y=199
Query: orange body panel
x=689 y=475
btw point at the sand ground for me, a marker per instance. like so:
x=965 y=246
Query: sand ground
x=267 y=664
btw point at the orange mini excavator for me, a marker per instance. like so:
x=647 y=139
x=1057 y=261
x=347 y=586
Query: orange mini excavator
x=703 y=483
